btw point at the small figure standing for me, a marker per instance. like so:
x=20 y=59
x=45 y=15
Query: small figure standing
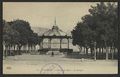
x=52 y=54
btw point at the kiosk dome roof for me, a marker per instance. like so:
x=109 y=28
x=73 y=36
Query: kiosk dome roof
x=55 y=31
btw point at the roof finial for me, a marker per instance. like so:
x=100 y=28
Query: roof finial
x=55 y=21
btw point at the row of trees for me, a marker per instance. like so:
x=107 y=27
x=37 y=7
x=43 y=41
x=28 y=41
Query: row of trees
x=18 y=33
x=98 y=29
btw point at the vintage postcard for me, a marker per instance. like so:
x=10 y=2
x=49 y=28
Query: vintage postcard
x=60 y=38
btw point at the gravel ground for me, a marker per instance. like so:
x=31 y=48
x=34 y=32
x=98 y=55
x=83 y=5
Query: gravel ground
x=34 y=64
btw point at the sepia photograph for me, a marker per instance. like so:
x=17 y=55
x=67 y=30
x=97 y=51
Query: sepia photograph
x=60 y=38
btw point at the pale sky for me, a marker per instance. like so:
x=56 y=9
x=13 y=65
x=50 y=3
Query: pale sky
x=42 y=14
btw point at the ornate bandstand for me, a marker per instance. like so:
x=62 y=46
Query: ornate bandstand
x=55 y=40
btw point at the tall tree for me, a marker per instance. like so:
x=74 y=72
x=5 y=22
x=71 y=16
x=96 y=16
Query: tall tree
x=18 y=33
x=100 y=26
x=10 y=36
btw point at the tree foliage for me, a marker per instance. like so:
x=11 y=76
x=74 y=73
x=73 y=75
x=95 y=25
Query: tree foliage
x=99 y=26
x=19 y=32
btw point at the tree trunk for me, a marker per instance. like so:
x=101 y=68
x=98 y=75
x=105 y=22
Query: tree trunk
x=19 y=49
x=99 y=52
x=6 y=49
x=14 y=47
x=95 y=53
x=29 y=48
x=106 y=48
x=92 y=49
x=39 y=46
x=34 y=49
x=110 y=49
x=86 y=51
x=102 y=54
x=112 y=53
x=114 y=50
